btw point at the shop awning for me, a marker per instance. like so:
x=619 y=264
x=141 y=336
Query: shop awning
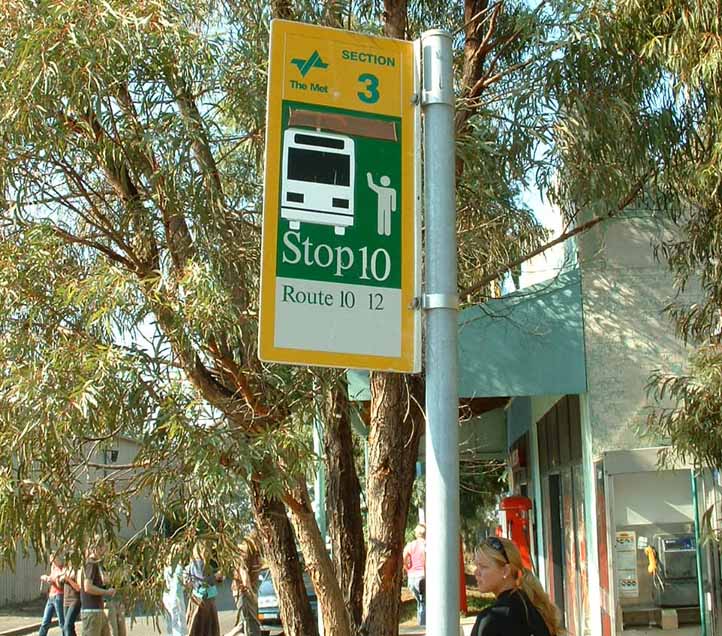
x=528 y=343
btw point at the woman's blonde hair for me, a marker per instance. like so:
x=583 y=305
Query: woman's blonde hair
x=524 y=580
x=200 y=551
x=251 y=555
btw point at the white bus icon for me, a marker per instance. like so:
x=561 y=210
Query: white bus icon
x=317 y=183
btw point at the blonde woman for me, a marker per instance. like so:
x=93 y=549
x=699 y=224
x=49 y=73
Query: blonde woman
x=522 y=607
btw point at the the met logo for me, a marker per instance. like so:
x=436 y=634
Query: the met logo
x=304 y=66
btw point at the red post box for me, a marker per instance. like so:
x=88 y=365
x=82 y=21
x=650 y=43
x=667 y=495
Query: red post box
x=517 y=526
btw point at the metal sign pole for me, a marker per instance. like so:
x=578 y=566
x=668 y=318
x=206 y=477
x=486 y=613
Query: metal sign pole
x=441 y=303
x=319 y=495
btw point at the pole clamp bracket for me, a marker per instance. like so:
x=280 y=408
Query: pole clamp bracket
x=440 y=301
x=436 y=62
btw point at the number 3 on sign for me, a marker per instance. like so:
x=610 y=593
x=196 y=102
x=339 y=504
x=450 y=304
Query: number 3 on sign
x=371 y=84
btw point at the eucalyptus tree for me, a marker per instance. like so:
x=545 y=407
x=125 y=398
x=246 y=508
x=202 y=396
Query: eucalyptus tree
x=653 y=74
x=683 y=40
x=130 y=173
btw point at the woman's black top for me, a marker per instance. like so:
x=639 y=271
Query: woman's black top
x=511 y=615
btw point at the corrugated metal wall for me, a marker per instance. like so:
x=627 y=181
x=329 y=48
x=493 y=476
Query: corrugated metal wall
x=23 y=584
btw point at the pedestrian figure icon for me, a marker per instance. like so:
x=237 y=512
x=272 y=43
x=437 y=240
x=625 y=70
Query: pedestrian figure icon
x=386 y=198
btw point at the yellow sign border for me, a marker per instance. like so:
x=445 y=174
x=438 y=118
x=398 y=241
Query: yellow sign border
x=409 y=360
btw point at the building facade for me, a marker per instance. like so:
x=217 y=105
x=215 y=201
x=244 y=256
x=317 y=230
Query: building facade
x=615 y=532
x=23 y=583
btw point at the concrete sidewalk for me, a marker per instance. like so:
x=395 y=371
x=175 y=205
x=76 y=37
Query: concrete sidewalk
x=466 y=624
x=19 y=625
x=24 y=619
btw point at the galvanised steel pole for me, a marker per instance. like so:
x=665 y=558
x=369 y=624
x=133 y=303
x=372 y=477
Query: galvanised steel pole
x=319 y=490
x=441 y=302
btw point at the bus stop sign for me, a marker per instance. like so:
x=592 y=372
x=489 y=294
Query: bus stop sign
x=340 y=259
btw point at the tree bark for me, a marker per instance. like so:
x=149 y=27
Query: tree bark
x=279 y=549
x=475 y=51
x=395 y=19
x=343 y=501
x=318 y=563
x=397 y=422
x=333 y=13
x=393 y=444
x=282 y=9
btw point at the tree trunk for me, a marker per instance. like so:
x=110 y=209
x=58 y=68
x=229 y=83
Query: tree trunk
x=395 y=19
x=279 y=550
x=333 y=13
x=343 y=501
x=476 y=49
x=282 y=9
x=475 y=52
x=318 y=563
x=397 y=422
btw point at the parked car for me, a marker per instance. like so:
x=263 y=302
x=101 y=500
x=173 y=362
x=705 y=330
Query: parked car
x=268 y=611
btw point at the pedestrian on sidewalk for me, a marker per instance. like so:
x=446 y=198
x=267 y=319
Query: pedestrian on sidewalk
x=415 y=566
x=93 y=591
x=116 y=616
x=202 y=618
x=54 y=604
x=116 y=577
x=71 y=599
x=522 y=607
x=174 y=600
x=245 y=588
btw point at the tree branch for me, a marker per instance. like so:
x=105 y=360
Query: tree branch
x=216 y=393
x=199 y=140
x=180 y=246
x=240 y=378
x=118 y=175
x=282 y=9
x=178 y=236
x=627 y=200
x=118 y=467
x=180 y=242
x=474 y=82
x=487 y=80
x=72 y=238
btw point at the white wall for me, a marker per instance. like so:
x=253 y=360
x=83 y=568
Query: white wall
x=548 y=264
x=23 y=584
x=627 y=335
x=658 y=497
x=141 y=507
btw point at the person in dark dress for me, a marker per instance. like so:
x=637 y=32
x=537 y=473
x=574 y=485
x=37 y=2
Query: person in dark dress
x=202 y=615
x=521 y=606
